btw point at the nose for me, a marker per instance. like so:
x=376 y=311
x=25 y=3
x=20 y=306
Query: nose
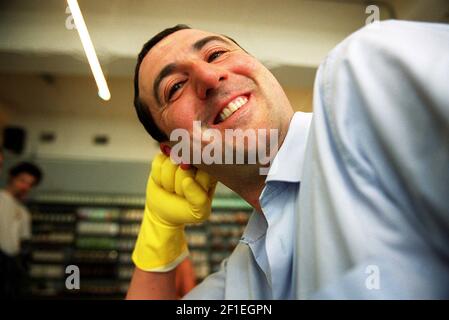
x=207 y=77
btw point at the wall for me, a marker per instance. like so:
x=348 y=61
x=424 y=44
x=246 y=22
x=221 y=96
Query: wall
x=300 y=98
x=74 y=138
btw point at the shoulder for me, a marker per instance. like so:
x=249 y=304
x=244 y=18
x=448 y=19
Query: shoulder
x=7 y=200
x=5 y=197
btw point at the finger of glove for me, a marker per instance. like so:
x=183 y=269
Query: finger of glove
x=168 y=172
x=170 y=208
x=196 y=196
x=156 y=167
x=180 y=175
x=203 y=179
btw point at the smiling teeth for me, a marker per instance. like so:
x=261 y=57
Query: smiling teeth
x=232 y=107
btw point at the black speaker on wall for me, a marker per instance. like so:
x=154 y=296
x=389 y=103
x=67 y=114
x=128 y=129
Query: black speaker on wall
x=14 y=139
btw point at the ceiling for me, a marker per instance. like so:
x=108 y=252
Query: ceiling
x=43 y=68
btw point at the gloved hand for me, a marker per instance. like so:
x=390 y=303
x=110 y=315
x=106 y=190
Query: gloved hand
x=174 y=197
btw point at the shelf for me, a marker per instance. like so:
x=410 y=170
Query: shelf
x=130 y=201
x=121 y=211
x=90 y=200
x=62 y=223
x=43 y=244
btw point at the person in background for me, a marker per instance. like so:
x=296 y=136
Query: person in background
x=15 y=228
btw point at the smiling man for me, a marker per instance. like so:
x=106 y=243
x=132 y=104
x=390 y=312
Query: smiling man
x=349 y=208
x=200 y=76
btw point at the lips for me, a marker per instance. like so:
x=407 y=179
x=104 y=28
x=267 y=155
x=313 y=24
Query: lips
x=230 y=108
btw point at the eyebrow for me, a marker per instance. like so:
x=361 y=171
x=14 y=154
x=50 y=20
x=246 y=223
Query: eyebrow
x=171 y=67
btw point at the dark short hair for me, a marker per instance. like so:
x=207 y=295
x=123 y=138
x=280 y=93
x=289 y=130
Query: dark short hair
x=26 y=167
x=143 y=113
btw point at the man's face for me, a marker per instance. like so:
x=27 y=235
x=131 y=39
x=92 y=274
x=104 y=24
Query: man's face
x=194 y=75
x=21 y=184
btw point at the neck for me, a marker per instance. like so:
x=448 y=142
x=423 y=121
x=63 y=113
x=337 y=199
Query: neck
x=245 y=180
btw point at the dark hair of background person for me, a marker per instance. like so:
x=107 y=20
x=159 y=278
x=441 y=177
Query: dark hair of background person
x=26 y=167
x=143 y=113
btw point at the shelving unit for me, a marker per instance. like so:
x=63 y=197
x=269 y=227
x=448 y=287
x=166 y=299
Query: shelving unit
x=97 y=233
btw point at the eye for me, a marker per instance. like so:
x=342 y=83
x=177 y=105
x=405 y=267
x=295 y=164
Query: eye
x=215 y=55
x=174 y=88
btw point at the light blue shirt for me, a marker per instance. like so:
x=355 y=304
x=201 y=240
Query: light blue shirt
x=359 y=206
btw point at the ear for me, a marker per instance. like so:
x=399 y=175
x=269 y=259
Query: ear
x=165 y=149
x=185 y=166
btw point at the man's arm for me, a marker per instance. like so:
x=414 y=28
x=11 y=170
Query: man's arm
x=152 y=285
x=384 y=92
x=185 y=278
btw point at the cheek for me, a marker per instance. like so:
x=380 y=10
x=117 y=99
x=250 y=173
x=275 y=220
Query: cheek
x=180 y=117
x=19 y=185
x=245 y=65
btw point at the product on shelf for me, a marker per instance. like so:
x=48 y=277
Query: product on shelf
x=53 y=217
x=196 y=238
x=96 y=243
x=202 y=270
x=46 y=271
x=125 y=272
x=98 y=213
x=48 y=256
x=54 y=237
x=130 y=230
x=95 y=256
x=132 y=215
x=125 y=258
x=103 y=228
x=100 y=288
x=126 y=244
x=239 y=217
x=198 y=256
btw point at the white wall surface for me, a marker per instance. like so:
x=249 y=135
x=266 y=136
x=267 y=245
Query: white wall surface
x=128 y=141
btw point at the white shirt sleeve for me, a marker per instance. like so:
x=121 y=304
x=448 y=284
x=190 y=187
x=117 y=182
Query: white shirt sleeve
x=386 y=89
x=395 y=76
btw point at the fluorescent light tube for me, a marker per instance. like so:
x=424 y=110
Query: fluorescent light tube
x=103 y=90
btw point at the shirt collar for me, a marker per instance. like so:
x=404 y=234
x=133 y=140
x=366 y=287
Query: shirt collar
x=288 y=163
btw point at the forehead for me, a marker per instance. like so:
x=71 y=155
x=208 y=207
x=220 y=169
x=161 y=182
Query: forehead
x=168 y=50
x=180 y=40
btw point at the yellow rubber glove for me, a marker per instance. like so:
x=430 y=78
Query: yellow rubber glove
x=174 y=197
